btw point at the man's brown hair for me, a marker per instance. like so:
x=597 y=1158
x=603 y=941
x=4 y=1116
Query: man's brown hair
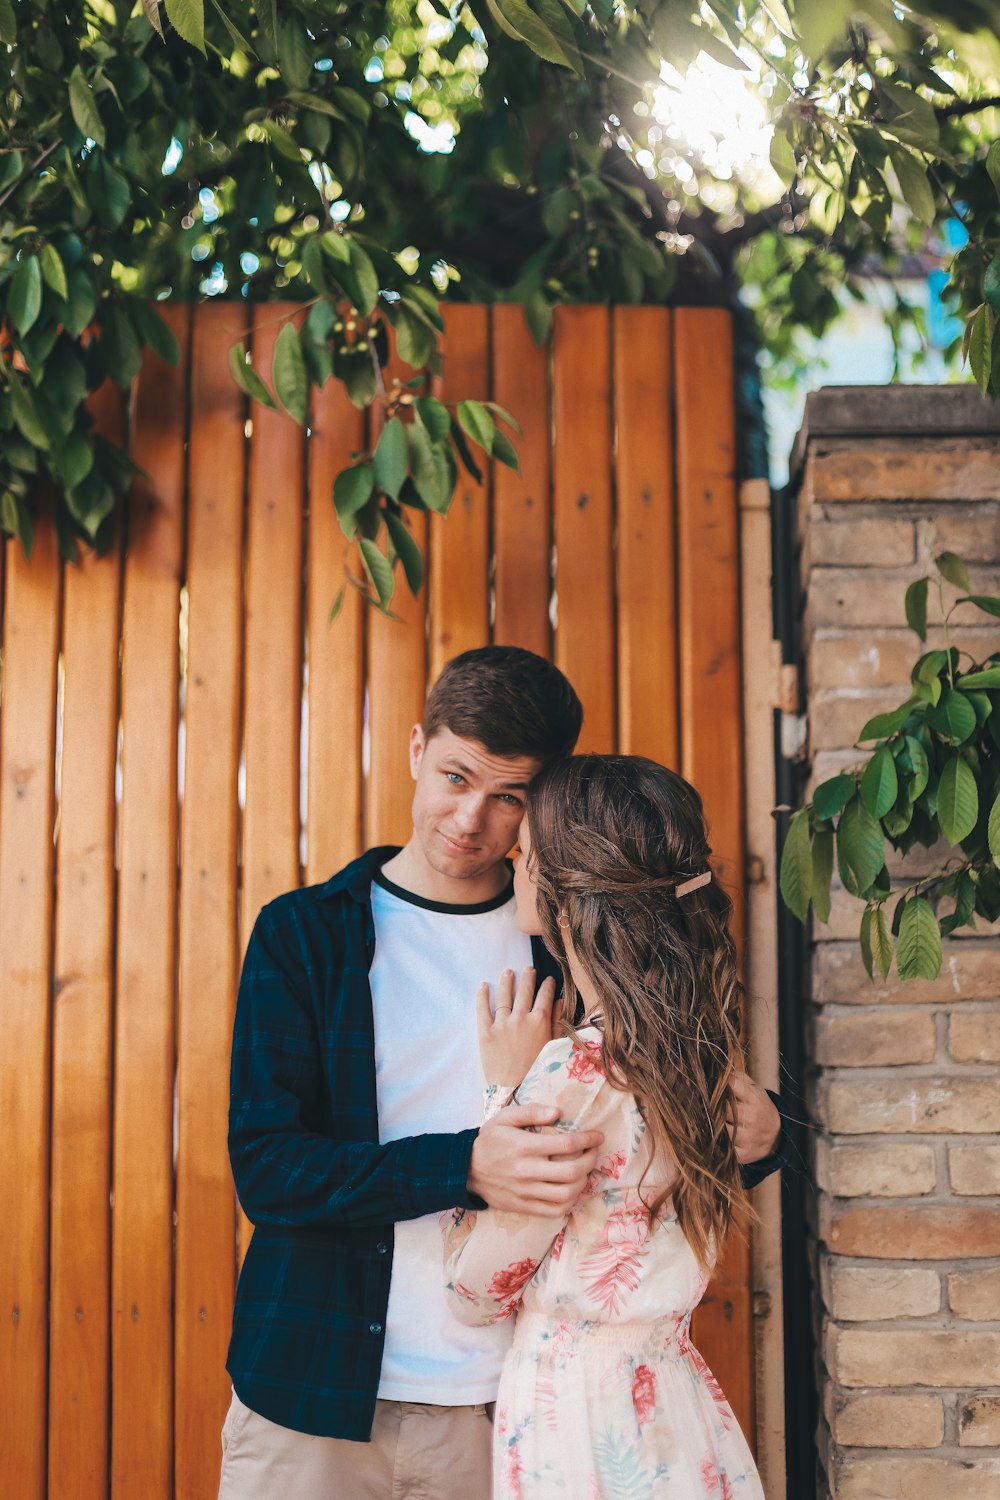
x=508 y=699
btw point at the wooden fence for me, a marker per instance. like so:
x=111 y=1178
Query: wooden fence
x=184 y=736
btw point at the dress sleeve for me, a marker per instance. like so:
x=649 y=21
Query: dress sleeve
x=490 y=1256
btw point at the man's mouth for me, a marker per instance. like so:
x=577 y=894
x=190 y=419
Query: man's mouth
x=459 y=847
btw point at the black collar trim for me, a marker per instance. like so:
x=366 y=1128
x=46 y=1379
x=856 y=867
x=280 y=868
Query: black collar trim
x=473 y=909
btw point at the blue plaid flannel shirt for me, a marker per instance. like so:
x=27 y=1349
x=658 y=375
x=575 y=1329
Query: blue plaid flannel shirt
x=321 y=1190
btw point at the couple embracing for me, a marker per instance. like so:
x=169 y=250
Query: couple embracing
x=483 y=1215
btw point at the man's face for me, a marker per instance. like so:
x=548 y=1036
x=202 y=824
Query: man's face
x=467 y=803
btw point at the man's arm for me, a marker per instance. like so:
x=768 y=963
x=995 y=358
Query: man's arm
x=762 y=1142
x=289 y=1172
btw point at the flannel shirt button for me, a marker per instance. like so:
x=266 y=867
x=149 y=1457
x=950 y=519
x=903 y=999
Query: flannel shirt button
x=382 y=1248
x=374 y=1327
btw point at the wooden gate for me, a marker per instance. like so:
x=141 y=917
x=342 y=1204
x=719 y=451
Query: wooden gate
x=184 y=736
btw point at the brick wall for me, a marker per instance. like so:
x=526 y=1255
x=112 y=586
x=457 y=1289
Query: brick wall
x=905 y=1090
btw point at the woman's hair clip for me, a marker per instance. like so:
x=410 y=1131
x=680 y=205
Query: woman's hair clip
x=695 y=884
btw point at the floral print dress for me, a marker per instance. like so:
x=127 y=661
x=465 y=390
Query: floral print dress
x=602 y=1396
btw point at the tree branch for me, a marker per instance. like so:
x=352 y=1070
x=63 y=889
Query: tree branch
x=963 y=107
x=30 y=171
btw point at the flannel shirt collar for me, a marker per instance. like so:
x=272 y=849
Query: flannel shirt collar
x=356 y=878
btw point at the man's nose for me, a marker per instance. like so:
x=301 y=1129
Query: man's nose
x=471 y=811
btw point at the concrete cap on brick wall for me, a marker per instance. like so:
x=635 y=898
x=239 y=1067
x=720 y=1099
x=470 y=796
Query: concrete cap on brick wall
x=891 y=411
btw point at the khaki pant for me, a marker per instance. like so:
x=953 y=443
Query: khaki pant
x=417 y=1452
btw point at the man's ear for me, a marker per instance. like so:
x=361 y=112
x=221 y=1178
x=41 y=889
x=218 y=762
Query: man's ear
x=417 y=746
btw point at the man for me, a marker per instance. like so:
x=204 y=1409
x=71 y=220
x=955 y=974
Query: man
x=356 y=1088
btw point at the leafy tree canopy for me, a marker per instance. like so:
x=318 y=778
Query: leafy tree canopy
x=372 y=159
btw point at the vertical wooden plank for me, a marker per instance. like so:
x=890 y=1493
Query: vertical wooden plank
x=397 y=683
x=27 y=809
x=335 y=651
x=522 y=506
x=711 y=720
x=83 y=1001
x=582 y=470
x=142 y=1228
x=207 y=956
x=459 y=574
x=644 y=483
x=272 y=691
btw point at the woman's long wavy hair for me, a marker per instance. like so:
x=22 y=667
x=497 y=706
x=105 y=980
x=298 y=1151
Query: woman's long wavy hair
x=612 y=836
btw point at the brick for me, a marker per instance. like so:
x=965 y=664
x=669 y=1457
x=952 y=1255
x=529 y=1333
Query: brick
x=875 y=1171
x=915 y=469
x=869 y=1294
x=871 y=1038
x=973 y=534
x=888 y=1421
x=975 y=1038
x=891 y=1105
x=974 y=1169
x=862 y=541
x=845 y=922
x=837 y=597
x=979 y=1422
x=919 y=1357
x=923 y=1231
x=975 y=1295
x=920 y=1478
x=837 y=717
x=859 y=659
x=971 y=971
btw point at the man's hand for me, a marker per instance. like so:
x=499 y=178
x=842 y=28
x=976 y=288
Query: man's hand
x=758 y=1123
x=517 y=1169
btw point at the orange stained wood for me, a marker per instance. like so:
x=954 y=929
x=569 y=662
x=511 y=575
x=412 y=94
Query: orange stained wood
x=207 y=919
x=397 y=680
x=27 y=780
x=335 y=649
x=521 y=501
x=646 y=584
x=709 y=637
x=581 y=467
x=272 y=684
x=142 y=1228
x=82 y=1022
x=460 y=548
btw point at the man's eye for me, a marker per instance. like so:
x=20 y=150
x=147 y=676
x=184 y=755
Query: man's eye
x=454 y=777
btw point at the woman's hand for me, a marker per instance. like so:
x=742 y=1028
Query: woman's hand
x=510 y=1041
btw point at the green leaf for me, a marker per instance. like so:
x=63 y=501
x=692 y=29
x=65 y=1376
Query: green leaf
x=53 y=271
x=928 y=666
x=29 y=421
x=831 y=797
x=881 y=943
x=796 y=866
x=406 y=549
x=247 y=379
x=83 y=107
x=985 y=602
x=919 y=954
x=954 y=717
x=8 y=34
x=860 y=847
x=503 y=414
x=879 y=784
x=351 y=492
x=783 y=161
x=477 y=423
x=884 y=725
x=154 y=332
x=822 y=872
x=916 y=607
x=951 y=566
x=337 y=246
x=865 y=938
x=379 y=570
x=538 y=316
x=989 y=677
x=505 y=452
x=237 y=36
x=288 y=371
x=993 y=165
x=73 y=461
x=910 y=116
x=958 y=800
x=914 y=183
x=390 y=462
x=15 y=518
x=24 y=300
x=365 y=296
x=121 y=352
x=993 y=831
x=920 y=764
x=431 y=476
x=991 y=290
x=294 y=51
x=414 y=340
x=981 y=347
x=519 y=21
x=82 y=302
x=187 y=17
x=108 y=191
x=434 y=416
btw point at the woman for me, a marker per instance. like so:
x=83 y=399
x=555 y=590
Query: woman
x=602 y=1393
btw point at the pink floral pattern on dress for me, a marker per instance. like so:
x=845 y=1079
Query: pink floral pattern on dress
x=602 y=1392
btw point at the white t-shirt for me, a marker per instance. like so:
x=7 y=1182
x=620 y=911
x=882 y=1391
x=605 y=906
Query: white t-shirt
x=429 y=958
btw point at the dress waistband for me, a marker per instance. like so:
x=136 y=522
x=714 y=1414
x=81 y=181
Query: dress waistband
x=654 y=1338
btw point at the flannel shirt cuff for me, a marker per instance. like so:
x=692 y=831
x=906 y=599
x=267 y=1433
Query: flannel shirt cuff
x=754 y=1172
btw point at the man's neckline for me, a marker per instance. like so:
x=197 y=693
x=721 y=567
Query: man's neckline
x=461 y=909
